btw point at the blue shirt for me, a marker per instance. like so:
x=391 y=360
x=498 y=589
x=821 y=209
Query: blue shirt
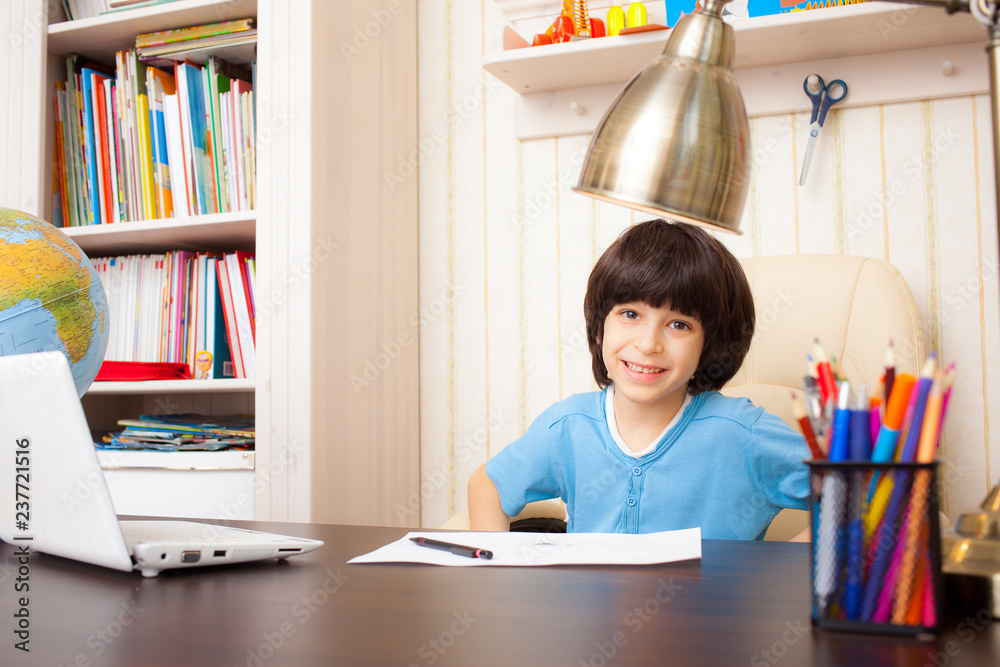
x=727 y=467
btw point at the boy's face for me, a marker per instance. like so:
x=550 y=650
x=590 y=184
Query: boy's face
x=651 y=353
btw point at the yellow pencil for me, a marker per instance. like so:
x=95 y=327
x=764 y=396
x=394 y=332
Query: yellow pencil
x=932 y=421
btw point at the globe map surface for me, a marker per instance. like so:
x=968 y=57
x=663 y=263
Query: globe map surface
x=51 y=298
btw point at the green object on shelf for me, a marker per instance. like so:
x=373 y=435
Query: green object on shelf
x=51 y=298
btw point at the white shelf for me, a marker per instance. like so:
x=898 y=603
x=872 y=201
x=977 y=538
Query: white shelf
x=886 y=52
x=818 y=34
x=100 y=37
x=200 y=485
x=227 y=459
x=173 y=387
x=217 y=231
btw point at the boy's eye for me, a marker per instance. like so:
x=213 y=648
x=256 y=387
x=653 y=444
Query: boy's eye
x=677 y=324
x=630 y=315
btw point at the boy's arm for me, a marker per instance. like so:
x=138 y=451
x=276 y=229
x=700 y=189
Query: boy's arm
x=485 y=512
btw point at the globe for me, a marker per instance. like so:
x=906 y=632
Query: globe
x=51 y=298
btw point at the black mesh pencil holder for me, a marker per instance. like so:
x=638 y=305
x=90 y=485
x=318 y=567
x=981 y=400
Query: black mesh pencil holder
x=876 y=547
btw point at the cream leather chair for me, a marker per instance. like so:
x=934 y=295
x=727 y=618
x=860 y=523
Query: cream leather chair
x=853 y=305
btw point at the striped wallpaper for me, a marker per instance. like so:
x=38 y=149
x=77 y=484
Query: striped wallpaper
x=506 y=248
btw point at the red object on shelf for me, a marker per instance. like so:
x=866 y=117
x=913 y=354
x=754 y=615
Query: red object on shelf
x=541 y=39
x=562 y=29
x=135 y=371
x=597 y=28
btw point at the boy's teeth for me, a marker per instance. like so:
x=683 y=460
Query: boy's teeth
x=642 y=369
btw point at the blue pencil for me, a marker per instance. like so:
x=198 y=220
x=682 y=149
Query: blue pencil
x=909 y=452
x=860 y=450
x=841 y=436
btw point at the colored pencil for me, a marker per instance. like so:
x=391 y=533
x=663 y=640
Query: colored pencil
x=840 y=436
x=895 y=411
x=889 y=362
x=909 y=452
x=827 y=382
x=860 y=444
x=912 y=564
x=807 y=431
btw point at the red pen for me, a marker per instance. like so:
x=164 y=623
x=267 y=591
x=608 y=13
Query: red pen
x=827 y=383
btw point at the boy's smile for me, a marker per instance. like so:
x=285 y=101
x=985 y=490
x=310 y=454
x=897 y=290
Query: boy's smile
x=651 y=354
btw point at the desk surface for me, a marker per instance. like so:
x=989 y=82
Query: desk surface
x=743 y=603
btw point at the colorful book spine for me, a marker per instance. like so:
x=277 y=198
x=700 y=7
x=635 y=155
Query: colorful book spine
x=158 y=85
x=90 y=155
x=229 y=312
x=218 y=84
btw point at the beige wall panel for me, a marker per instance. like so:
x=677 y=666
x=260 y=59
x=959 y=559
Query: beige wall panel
x=611 y=222
x=956 y=310
x=907 y=181
x=437 y=354
x=366 y=373
x=473 y=89
x=505 y=196
x=819 y=198
x=772 y=226
x=22 y=164
x=576 y=259
x=863 y=220
x=539 y=286
x=503 y=219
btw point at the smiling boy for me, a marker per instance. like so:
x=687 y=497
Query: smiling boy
x=669 y=320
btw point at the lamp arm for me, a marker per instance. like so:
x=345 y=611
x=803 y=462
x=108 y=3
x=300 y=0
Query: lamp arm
x=986 y=12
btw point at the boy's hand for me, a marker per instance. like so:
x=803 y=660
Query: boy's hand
x=485 y=512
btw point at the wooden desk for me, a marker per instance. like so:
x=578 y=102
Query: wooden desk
x=744 y=603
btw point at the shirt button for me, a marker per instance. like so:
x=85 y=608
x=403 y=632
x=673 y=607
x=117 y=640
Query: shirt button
x=637 y=470
x=630 y=502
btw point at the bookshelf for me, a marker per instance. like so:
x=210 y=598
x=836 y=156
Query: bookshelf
x=331 y=240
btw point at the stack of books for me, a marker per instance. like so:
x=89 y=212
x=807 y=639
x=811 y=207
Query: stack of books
x=234 y=41
x=183 y=432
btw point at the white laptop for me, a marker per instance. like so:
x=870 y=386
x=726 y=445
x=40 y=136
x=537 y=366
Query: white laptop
x=58 y=502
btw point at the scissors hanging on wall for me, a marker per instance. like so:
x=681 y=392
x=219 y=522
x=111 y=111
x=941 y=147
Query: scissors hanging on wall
x=823 y=96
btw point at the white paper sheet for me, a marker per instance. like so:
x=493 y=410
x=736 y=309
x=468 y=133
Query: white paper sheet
x=533 y=549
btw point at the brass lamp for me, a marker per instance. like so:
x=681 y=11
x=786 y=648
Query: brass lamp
x=676 y=141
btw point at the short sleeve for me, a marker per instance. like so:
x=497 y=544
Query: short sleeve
x=779 y=452
x=529 y=468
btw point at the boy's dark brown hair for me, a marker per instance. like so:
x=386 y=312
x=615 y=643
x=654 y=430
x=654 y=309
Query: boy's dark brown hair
x=681 y=267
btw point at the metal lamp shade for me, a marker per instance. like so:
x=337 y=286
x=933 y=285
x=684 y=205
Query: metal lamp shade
x=676 y=140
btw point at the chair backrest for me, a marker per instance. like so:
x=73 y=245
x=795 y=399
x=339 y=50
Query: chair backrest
x=853 y=305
